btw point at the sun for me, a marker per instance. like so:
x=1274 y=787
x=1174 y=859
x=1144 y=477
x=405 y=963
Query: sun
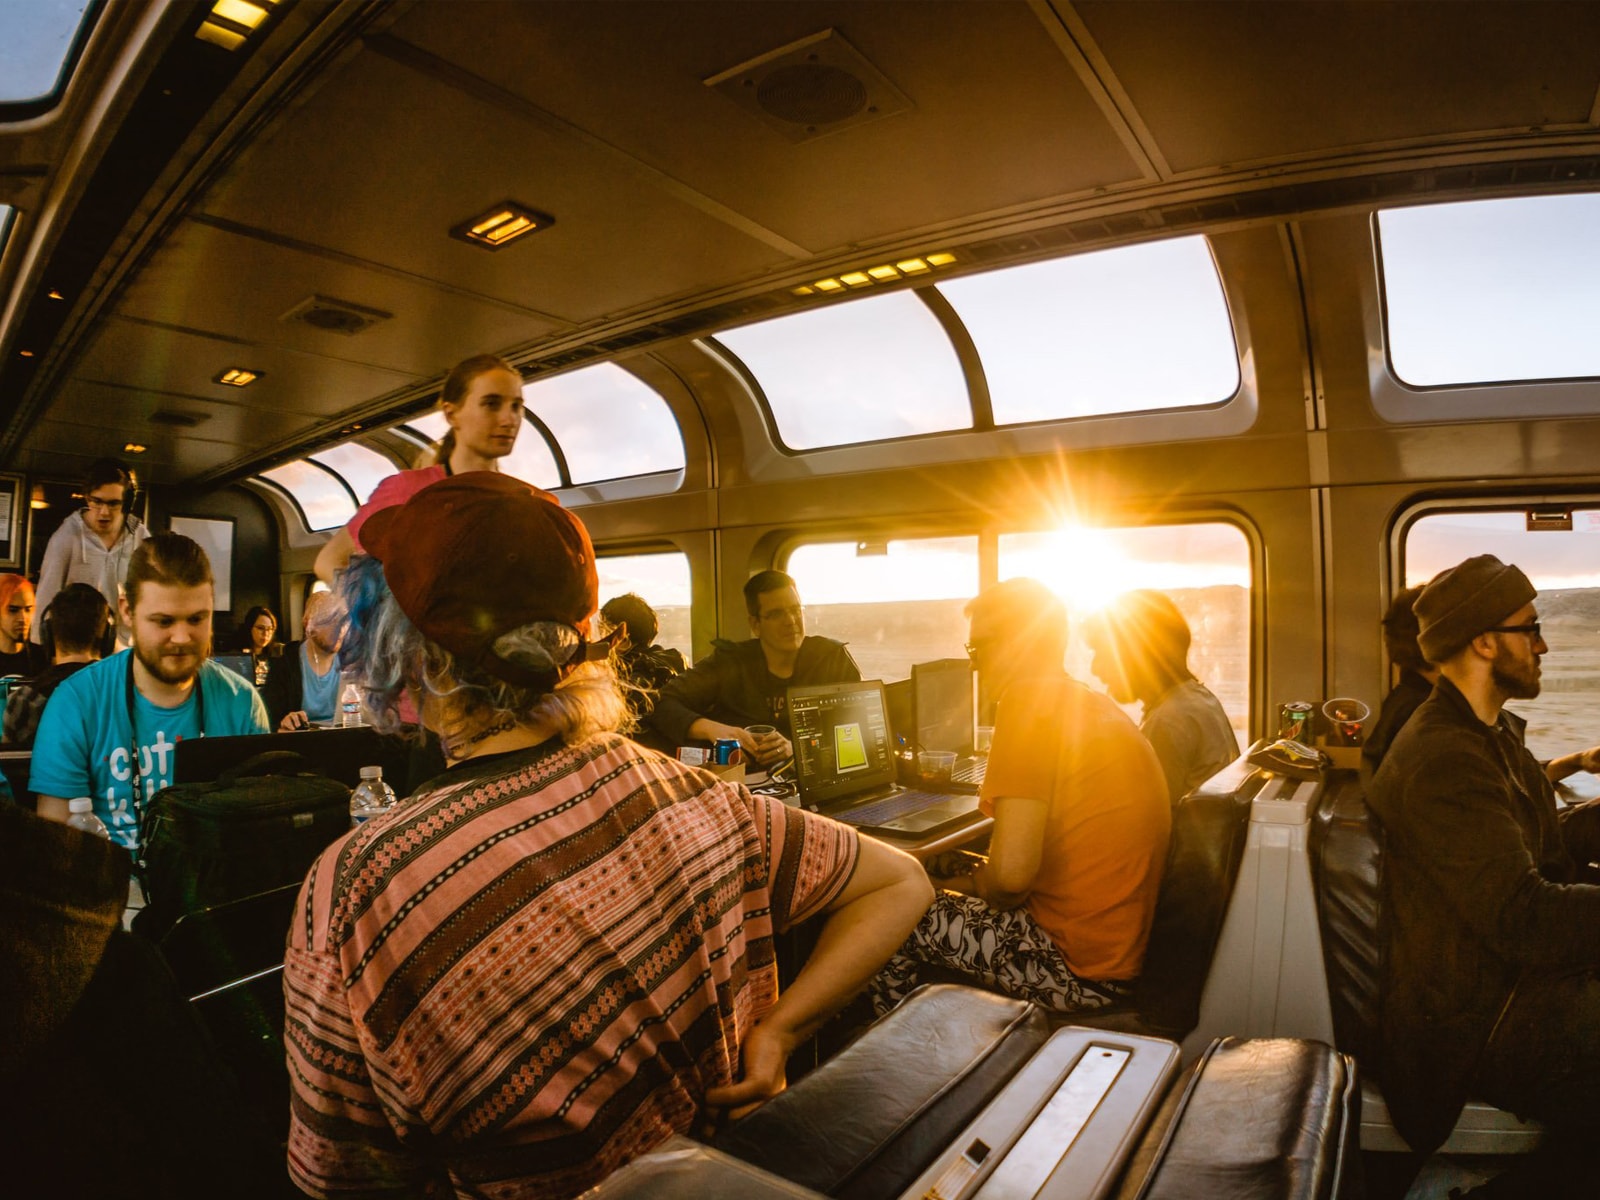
x=1084 y=566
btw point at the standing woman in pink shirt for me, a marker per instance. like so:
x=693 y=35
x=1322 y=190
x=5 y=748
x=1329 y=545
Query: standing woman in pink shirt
x=482 y=401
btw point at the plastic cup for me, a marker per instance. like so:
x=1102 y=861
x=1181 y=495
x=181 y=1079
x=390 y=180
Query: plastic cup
x=982 y=739
x=760 y=731
x=1345 y=716
x=936 y=766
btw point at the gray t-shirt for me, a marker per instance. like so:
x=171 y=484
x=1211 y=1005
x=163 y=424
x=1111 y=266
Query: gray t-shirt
x=1191 y=736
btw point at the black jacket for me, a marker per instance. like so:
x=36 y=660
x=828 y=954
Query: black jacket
x=1403 y=700
x=1483 y=894
x=732 y=685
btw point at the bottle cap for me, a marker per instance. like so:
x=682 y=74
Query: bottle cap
x=81 y=804
x=372 y=772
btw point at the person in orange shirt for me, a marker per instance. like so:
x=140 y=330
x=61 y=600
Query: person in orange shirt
x=1059 y=912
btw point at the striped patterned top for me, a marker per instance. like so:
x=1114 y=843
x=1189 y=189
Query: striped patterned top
x=531 y=973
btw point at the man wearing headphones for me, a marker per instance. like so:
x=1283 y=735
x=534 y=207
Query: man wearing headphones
x=94 y=545
x=76 y=631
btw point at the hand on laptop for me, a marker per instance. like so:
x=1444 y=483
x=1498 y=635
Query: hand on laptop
x=294 y=721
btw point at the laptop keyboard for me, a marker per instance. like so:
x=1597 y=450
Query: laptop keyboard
x=890 y=807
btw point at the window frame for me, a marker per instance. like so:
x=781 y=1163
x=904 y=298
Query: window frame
x=299 y=511
x=1399 y=402
x=15 y=112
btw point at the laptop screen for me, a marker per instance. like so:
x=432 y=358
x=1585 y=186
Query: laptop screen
x=239 y=664
x=841 y=740
x=942 y=696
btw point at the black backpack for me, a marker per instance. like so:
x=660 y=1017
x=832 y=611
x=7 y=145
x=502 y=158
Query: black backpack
x=258 y=827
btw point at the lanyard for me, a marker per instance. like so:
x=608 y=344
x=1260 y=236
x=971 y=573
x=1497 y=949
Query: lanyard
x=133 y=731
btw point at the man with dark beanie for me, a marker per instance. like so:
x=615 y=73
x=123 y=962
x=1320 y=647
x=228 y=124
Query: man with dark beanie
x=1493 y=915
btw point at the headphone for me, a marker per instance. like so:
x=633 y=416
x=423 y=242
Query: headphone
x=106 y=644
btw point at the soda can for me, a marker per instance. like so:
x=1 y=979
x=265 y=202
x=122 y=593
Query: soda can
x=1294 y=721
x=727 y=751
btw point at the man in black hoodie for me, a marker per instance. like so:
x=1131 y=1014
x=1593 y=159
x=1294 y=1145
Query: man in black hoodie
x=747 y=683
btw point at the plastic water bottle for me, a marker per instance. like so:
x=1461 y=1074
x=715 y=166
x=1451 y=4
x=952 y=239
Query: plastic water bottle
x=372 y=797
x=83 y=818
x=350 y=707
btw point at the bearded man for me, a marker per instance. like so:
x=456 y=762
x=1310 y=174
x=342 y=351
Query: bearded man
x=109 y=731
x=1493 y=909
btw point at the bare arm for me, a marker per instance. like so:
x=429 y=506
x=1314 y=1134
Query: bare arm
x=868 y=922
x=334 y=555
x=1558 y=769
x=766 y=749
x=54 y=808
x=1014 y=855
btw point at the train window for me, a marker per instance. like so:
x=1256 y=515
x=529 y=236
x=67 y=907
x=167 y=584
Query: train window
x=875 y=368
x=661 y=579
x=1492 y=290
x=360 y=468
x=1124 y=330
x=608 y=423
x=894 y=602
x=39 y=41
x=530 y=461
x=1564 y=564
x=324 y=500
x=1204 y=567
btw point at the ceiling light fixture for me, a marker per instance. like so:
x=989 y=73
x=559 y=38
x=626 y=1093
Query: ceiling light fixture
x=882 y=273
x=237 y=377
x=55 y=295
x=501 y=225
x=133 y=448
x=36 y=497
x=230 y=22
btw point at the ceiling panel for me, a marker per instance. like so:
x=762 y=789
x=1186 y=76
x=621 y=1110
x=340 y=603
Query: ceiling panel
x=383 y=161
x=157 y=367
x=1228 y=83
x=999 y=119
x=220 y=281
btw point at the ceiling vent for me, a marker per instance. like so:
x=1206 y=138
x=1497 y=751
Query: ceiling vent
x=335 y=316
x=811 y=88
x=177 y=420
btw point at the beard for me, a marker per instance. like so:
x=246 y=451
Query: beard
x=1518 y=678
x=169 y=667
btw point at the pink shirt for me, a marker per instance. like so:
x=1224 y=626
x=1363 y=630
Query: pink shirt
x=396 y=489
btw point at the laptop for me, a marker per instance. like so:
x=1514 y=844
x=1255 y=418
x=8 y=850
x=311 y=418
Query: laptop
x=239 y=664
x=845 y=764
x=942 y=708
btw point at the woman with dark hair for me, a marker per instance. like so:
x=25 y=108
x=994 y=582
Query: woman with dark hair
x=482 y=401
x=559 y=953
x=94 y=544
x=257 y=632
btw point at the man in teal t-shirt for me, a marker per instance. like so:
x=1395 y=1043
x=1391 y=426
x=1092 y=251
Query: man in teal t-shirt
x=109 y=731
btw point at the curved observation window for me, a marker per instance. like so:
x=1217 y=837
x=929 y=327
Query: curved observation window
x=608 y=423
x=1558 y=547
x=1205 y=568
x=530 y=460
x=871 y=369
x=322 y=497
x=360 y=468
x=894 y=603
x=1491 y=291
x=1114 y=331
x=39 y=43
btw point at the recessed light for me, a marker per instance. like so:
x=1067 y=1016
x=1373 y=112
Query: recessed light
x=55 y=295
x=230 y=22
x=237 y=377
x=942 y=259
x=501 y=225
x=25 y=353
x=133 y=448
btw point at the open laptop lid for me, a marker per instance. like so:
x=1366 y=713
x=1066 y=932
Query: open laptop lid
x=842 y=741
x=942 y=701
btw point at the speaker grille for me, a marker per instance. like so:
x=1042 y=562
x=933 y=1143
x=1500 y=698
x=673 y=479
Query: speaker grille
x=818 y=85
x=812 y=94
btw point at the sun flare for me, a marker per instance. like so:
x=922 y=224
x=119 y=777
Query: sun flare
x=1085 y=567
